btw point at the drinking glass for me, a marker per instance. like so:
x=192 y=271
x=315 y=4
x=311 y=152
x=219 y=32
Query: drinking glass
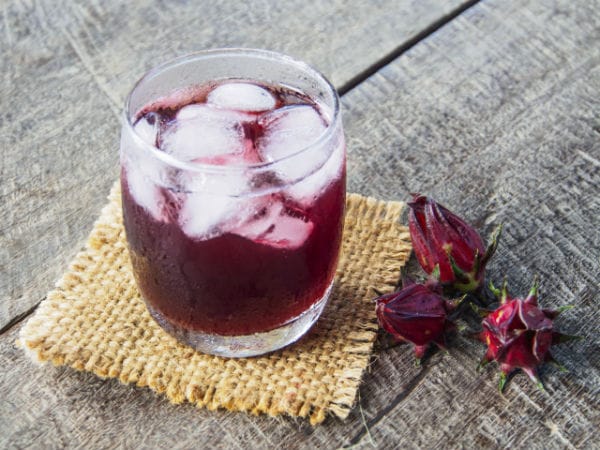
x=233 y=257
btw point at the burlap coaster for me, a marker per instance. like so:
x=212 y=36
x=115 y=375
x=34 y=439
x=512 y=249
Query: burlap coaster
x=94 y=320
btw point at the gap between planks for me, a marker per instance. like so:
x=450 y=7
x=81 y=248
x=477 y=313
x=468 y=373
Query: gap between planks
x=18 y=319
x=410 y=387
x=404 y=47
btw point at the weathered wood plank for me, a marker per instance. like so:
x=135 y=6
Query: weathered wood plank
x=497 y=116
x=66 y=67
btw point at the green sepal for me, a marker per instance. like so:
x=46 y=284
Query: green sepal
x=459 y=274
x=442 y=346
x=461 y=328
x=533 y=292
x=457 y=302
x=481 y=312
x=435 y=273
x=550 y=359
x=494 y=290
x=564 y=308
x=504 y=291
x=560 y=338
x=554 y=313
x=493 y=245
x=533 y=376
x=477 y=263
x=502 y=381
x=484 y=362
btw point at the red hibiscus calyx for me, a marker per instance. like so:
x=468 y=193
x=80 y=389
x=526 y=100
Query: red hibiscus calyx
x=417 y=314
x=447 y=248
x=519 y=334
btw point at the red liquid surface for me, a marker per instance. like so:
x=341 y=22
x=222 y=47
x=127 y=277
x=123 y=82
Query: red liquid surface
x=231 y=284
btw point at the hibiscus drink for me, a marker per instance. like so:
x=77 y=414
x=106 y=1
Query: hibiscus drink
x=233 y=189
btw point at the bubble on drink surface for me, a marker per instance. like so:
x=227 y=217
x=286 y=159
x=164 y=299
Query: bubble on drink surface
x=241 y=97
x=200 y=131
x=277 y=224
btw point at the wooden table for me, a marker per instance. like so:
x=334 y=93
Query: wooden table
x=490 y=106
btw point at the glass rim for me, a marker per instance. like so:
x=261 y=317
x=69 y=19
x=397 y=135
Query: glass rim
x=156 y=152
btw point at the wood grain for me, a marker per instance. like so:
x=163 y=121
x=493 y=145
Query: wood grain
x=67 y=66
x=497 y=116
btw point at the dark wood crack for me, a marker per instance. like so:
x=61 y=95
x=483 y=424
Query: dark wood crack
x=404 y=47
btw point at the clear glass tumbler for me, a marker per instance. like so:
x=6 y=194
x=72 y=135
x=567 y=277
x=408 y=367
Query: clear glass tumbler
x=233 y=190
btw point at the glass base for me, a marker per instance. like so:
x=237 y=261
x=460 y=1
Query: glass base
x=246 y=345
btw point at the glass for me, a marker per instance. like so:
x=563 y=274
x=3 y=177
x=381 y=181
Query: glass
x=233 y=190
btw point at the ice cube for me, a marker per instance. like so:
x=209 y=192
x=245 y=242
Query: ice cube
x=242 y=97
x=308 y=189
x=143 y=189
x=204 y=216
x=277 y=225
x=286 y=131
x=147 y=128
x=201 y=132
x=141 y=171
x=200 y=111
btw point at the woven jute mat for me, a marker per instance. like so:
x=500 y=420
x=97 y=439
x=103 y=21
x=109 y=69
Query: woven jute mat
x=95 y=320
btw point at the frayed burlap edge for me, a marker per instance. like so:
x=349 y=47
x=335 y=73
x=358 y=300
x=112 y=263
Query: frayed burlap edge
x=94 y=320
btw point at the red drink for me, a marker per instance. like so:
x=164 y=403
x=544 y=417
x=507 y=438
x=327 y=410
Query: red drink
x=232 y=285
x=234 y=220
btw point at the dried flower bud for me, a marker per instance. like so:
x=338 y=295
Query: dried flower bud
x=519 y=335
x=415 y=314
x=448 y=248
